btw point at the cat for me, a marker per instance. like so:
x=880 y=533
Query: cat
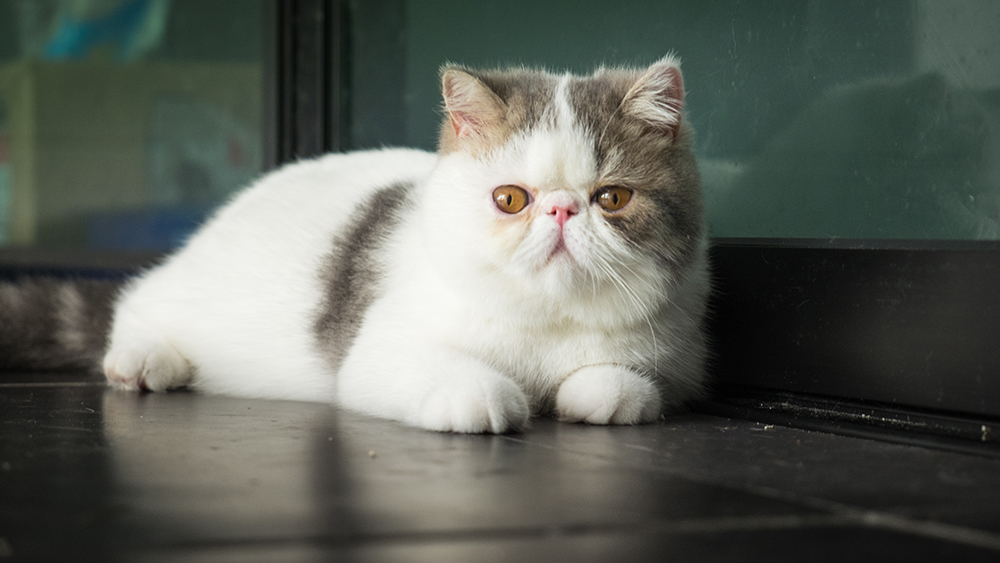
x=549 y=259
x=905 y=158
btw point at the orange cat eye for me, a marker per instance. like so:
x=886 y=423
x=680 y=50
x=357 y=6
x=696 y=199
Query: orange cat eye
x=613 y=198
x=511 y=199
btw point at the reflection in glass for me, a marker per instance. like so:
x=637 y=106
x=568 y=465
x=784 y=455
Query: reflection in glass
x=124 y=122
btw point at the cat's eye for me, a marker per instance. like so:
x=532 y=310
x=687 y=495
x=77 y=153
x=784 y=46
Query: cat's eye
x=613 y=198
x=511 y=199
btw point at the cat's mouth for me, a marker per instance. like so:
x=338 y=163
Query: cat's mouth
x=559 y=252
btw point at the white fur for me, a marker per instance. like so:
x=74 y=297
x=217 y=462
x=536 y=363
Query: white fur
x=238 y=301
x=478 y=322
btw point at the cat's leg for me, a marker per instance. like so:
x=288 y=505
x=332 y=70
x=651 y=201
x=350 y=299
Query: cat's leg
x=430 y=386
x=607 y=394
x=140 y=357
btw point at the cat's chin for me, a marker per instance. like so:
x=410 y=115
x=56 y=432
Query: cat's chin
x=562 y=275
x=561 y=257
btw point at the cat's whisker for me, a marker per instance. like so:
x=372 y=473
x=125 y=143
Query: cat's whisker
x=640 y=306
x=643 y=311
x=592 y=275
x=616 y=282
x=623 y=287
x=656 y=350
x=620 y=262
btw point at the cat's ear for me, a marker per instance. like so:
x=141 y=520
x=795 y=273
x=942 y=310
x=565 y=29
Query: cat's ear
x=657 y=97
x=474 y=111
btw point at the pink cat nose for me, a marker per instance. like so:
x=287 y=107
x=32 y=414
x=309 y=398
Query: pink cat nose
x=563 y=213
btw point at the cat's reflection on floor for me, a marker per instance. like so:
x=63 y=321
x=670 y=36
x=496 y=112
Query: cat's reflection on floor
x=194 y=467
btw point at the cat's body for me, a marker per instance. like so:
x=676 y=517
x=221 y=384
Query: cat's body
x=240 y=301
x=550 y=258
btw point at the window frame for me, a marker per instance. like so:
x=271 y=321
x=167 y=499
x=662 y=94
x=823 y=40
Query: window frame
x=876 y=338
x=307 y=79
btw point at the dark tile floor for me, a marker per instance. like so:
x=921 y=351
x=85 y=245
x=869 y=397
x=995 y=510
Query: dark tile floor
x=91 y=474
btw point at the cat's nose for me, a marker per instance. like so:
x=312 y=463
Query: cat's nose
x=563 y=212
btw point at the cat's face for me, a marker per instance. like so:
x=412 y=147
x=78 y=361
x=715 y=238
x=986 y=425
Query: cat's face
x=568 y=189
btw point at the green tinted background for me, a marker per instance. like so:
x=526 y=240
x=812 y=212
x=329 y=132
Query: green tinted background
x=850 y=119
x=124 y=122
x=853 y=119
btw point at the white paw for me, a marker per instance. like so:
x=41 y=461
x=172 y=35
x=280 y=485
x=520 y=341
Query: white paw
x=482 y=402
x=607 y=395
x=146 y=365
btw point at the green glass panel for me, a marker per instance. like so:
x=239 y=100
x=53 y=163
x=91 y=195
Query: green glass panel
x=849 y=119
x=124 y=122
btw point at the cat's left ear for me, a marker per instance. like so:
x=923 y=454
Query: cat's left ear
x=657 y=97
x=474 y=110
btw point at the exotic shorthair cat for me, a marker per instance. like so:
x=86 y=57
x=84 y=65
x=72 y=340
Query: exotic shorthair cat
x=549 y=259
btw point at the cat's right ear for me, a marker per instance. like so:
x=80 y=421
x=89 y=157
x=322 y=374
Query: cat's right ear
x=474 y=111
x=657 y=97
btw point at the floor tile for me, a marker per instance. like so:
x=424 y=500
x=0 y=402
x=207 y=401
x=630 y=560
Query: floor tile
x=814 y=544
x=90 y=474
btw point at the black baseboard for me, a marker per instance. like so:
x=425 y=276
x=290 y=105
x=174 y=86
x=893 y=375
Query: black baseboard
x=950 y=431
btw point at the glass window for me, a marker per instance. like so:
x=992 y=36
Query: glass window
x=854 y=119
x=123 y=122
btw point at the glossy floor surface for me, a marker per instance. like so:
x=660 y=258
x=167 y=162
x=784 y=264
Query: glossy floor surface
x=92 y=474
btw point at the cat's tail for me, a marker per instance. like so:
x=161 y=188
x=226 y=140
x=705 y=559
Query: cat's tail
x=55 y=324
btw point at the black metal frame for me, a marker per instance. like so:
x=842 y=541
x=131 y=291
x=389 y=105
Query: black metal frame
x=863 y=419
x=900 y=323
x=307 y=78
x=897 y=339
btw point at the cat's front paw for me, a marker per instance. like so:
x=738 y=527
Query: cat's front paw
x=146 y=365
x=607 y=395
x=478 y=403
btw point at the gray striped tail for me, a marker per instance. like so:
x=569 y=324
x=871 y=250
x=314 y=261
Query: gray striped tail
x=55 y=324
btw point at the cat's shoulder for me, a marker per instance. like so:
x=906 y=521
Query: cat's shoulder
x=317 y=194
x=355 y=166
x=331 y=177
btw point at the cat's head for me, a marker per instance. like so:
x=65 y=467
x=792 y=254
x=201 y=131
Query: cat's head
x=567 y=190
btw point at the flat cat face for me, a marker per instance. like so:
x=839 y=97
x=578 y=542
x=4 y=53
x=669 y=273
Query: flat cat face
x=564 y=187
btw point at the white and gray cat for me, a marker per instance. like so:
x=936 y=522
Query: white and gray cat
x=550 y=258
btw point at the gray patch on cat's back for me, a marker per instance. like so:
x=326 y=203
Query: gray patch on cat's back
x=352 y=271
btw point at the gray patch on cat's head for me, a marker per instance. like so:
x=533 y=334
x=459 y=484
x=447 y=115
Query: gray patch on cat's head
x=657 y=165
x=525 y=96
